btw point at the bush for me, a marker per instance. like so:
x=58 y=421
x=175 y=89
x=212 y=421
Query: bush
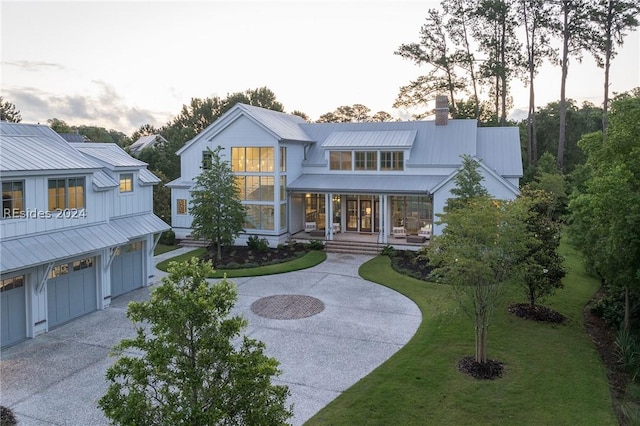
x=388 y=250
x=315 y=245
x=258 y=244
x=7 y=418
x=610 y=308
x=168 y=238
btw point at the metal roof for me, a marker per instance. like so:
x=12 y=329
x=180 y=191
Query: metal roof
x=147 y=178
x=341 y=183
x=101 y=180
x=146 y=142
x=108 y=153
x=31 y=147
x=139 y=225
x=371 y=139
x=179 y=183
x=498 y=150
x=27 y=251
x=285 y=126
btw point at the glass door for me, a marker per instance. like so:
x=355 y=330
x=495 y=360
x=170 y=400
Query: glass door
x=352 y=214
x=366 y=215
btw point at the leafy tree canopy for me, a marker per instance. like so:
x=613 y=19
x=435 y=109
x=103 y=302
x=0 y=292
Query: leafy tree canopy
x=192 y=365
x=9 y=112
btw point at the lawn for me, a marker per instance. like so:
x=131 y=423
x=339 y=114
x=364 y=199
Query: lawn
x=553 y=374
x=163 y=248
x=310 y=259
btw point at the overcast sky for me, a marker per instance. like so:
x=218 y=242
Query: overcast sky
x=124 y=64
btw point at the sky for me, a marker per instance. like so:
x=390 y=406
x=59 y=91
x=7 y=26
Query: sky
x=120 y=65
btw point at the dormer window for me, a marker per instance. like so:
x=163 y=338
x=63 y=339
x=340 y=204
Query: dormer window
x=340 y=160
x=391 y=160
x=126 y=182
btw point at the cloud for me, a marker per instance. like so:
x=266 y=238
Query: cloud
x=33 y=65
x=106 y=109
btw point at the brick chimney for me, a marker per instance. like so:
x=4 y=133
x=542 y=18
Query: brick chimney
x=442 y=110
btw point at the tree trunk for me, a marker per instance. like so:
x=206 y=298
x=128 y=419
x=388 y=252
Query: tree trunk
x=563 y=86
x=481 y=341
x=472 y=72
x=503 y=72
x=607 y=64
x=529 y=43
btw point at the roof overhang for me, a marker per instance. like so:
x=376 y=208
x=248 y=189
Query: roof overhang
x=139 y=225
x=365 y=184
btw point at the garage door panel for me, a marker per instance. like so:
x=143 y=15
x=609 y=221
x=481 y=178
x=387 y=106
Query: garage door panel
x=127 y=269
x=72 y=291
x=13 y=310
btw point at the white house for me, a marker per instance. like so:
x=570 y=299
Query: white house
x=77 y=228
x=381 y=178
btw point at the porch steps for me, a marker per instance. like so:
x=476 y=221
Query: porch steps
x=353 y=247
x=189 y=241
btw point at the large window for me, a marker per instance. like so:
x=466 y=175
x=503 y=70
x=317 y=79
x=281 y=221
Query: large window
x=12 y=199
x=259 y=216
x=340 y=160
x=391 y=160
x=126 y=182
x=315 y=208
x=253 y=159
x=66 y=193
x=412 y=212
x=366 y=160
x=283 y=159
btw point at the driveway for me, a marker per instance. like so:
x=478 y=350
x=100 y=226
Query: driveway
x=354 y=326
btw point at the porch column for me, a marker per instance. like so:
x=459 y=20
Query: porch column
x=384 y=218
x=328 y=215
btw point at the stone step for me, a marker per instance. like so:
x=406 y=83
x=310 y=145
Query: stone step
x=352 y=247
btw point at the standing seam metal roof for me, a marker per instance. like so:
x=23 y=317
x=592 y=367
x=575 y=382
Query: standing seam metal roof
x=371 y=139
x=108 y=153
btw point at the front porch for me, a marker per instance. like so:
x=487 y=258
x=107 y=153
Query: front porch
x=363 y=243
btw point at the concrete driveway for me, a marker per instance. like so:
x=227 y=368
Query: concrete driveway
x=57 y=377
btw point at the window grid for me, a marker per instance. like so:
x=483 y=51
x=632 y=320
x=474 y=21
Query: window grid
x=182 y=206
x=12 y=199
x=126 y=182
x=66 y=193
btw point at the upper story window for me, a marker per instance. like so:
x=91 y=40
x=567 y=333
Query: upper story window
x=126 y=182
x=206 y=160
x=366 y=160
x=253 y=159
x=340 y=160
x=392 y=160
x=67 y=193
x=283 y=159
x=12 y=199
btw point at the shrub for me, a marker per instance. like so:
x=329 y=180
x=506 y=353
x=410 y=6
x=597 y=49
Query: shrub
x=7 y=418
x=168 y=238
x=315 y=245
x=258 y=244
x=388 y=250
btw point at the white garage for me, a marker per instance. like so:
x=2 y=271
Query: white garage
x=127 y=268
x=13 y=317
x=72 y=291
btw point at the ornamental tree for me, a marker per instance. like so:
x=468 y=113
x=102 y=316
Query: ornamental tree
x=190 y=365
x=218 y=213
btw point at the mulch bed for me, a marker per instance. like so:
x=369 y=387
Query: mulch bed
x=489 y=370
x=244 y=257
x=537 y=313
x=406 y=262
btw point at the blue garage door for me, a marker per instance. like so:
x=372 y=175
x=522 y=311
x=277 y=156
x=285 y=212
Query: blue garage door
x=71 y=291
x=13 y=316
x=127 y=269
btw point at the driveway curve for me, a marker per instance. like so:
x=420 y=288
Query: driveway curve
x=354 y=326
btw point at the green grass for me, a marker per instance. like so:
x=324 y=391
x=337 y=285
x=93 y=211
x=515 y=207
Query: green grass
x=553 y=374
x=163 y=248
x=310 y=259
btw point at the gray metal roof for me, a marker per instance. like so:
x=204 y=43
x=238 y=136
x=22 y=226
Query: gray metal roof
x=179 y=183
x=139 y=225
x=148 y=178
x=345 y=184
x=146 y=142
x=31 y=147
x=27 y=251
x=109 y=154
x=285 y=126
x=498 y=151
x=371 y=139
x=101 y=180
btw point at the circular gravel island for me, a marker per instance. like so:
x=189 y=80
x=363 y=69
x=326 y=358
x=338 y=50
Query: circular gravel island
x=287 y=306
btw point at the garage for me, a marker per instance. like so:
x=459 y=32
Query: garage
x=13 y=310
x=71 y=291
x=127 y=268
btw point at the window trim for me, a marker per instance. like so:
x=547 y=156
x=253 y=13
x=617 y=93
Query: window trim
x=66 y=193
x=15 y=212
x=128 y=178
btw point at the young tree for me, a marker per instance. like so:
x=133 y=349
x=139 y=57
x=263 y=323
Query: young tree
x=543 y=266
x=218 y=213
x=189 y=367
x=9 y=112
x=468 y=185
x=478 y=252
